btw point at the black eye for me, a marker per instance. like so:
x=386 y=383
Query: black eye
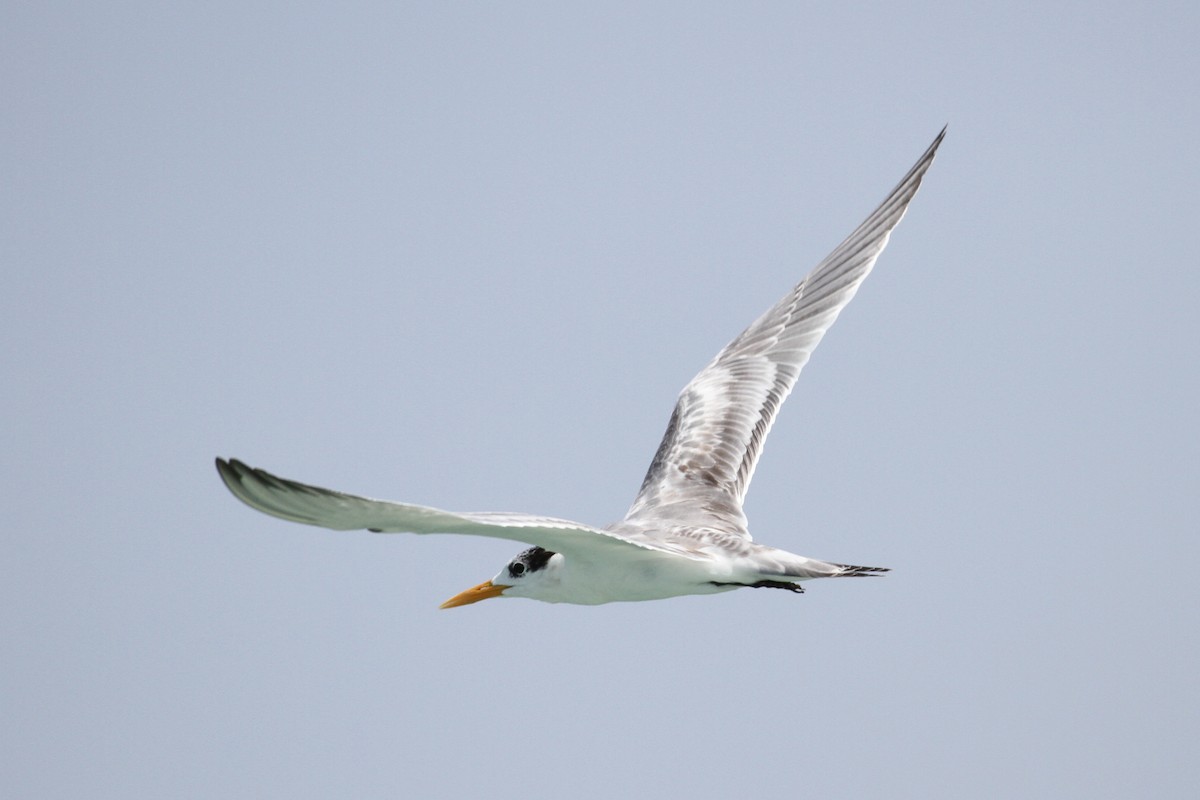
x=516 y=569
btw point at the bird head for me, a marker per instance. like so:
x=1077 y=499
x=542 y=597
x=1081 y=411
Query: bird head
x=533 y=573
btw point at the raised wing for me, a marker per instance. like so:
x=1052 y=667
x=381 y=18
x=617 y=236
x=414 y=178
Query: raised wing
x=312 y=505
x=714 y=438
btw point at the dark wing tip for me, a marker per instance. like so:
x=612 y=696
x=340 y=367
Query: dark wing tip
x=237 y=478
x=262 y=491
x=234 y=473
x=229 y=470
x=926 y=158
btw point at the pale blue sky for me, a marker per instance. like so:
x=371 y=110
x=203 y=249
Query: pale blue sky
x=466 y=255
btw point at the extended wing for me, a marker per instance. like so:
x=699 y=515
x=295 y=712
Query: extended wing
x=714 y=438
x=312 y=505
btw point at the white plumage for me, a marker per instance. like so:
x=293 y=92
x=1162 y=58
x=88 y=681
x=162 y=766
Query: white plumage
x=685 y=532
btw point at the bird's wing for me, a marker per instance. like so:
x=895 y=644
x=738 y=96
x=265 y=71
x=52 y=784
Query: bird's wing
x=707 y=456
x=312 y=505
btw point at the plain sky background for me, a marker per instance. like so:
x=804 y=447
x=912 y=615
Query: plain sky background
x=466 y=255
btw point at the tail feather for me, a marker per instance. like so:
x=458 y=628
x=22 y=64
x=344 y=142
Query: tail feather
x=772 y=564
x=852 y=571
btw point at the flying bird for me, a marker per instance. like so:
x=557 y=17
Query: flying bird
x=685 y=532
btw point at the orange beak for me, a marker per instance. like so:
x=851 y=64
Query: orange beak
x=476 y=593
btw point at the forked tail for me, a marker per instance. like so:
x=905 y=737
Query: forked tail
x=852 y=571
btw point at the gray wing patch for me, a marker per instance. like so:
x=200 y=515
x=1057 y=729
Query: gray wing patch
x=704 y=464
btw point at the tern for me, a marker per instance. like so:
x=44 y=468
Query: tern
x=685 y=532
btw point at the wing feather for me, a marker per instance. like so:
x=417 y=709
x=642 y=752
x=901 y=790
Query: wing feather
x=707 y=457
x=313 y=505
